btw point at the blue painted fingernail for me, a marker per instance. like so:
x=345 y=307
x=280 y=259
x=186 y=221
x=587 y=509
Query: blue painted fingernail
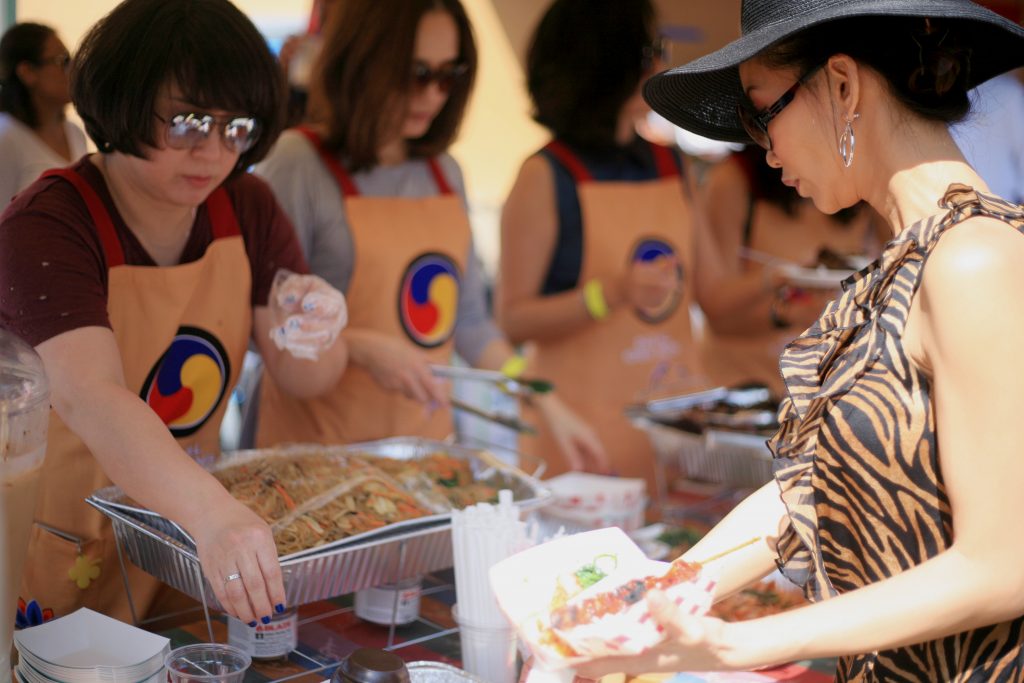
x=265 y=620
x=252 y=624
x=279 y=608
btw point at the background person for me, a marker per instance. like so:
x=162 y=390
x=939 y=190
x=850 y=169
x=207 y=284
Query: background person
x=379 y=207
x=603 y=245
x=35 y=134
x=753 y=218
x=140 y=274
x=992 y=139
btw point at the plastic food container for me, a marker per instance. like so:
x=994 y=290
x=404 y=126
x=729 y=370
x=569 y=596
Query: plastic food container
x=395 y=603
x=24 y=417
x=586 y=501
x=368 y=665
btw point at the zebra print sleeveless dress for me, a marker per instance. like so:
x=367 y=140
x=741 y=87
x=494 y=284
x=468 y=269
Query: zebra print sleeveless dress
x=857 y=457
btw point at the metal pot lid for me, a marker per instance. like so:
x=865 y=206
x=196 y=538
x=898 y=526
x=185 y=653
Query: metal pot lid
x=369 y=665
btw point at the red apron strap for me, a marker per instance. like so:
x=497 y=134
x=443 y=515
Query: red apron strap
x=222 y=214
x=442 y=183
x=664 y=161
x=100 y=216
x=345 y=184
x=571 y=162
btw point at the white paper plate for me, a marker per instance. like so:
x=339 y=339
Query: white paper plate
x=822 y=277
x=26 y=674
x=149 y=670
x=526 y=583
x=815 y=278
x=595 y=492
x=87 y=645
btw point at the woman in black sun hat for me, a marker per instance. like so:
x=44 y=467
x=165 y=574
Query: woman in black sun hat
x=899 y=460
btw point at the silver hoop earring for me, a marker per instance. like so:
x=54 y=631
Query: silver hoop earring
x=847 y=141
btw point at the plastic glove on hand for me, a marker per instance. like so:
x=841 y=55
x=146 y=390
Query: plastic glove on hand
x=308 y=314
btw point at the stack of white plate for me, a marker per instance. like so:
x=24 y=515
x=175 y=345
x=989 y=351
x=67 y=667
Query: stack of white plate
x=87 y=646
x=584 y=502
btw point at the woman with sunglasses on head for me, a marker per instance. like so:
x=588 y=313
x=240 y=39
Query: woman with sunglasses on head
x=34 y=132
x=898 y=463
x=379 y=208
x=140 y=274
x=603 y=248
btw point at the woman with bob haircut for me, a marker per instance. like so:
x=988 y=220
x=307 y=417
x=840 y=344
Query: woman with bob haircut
x=140 y=274
x=898 y=461
x=34 y=132
x=380 y=211
x=603 y=245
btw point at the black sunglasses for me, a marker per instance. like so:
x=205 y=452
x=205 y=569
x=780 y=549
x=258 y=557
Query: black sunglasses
x=756 y=122
x=446 y=76
x=659 y=50
x=63 y=61
x=189 y=130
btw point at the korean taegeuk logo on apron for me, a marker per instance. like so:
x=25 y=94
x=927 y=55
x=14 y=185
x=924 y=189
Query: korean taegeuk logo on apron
x=649 y=249
x=188 y=381
x=428 y=299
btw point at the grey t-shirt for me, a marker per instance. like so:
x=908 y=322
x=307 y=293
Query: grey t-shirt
x=310 y=197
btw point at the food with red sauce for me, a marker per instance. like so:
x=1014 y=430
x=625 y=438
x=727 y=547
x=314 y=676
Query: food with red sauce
x=622 y=597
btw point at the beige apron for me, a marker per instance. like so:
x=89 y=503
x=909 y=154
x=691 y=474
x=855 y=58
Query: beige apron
x=182 y=332
x=410 y=256
x=732 y=359
x=632 y=354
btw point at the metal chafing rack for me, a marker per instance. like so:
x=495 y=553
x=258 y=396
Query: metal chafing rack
x=387 y=555
x=690 y=437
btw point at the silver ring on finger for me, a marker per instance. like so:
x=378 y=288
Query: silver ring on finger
x=232 y=577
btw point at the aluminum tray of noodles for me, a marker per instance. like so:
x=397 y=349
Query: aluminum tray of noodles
x=402 y=526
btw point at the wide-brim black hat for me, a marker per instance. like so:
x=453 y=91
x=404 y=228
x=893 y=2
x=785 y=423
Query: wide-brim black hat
x=702 y=96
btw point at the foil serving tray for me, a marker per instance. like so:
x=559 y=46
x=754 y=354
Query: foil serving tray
x=386 y=555
x=731 y=452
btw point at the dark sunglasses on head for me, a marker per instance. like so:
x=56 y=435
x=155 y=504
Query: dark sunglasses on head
x=63 y=61
x=756 y=122
x=446 y=76
x=189 y=130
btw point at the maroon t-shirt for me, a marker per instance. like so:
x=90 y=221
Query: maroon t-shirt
x=53 y=273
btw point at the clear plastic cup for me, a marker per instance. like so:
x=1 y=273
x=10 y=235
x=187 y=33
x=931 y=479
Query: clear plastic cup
x=488 y=652
x=208 y=663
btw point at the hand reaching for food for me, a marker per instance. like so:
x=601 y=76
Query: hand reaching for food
x=648 y=284
x=307 y=312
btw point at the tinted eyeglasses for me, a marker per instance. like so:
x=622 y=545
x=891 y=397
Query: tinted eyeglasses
x=446 y=76
x=63 y=61
x=189 y=130
x=659 y=50
x=756 y=122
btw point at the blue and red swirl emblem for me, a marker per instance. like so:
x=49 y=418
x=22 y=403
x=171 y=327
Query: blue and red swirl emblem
x=650 y=249
x=428 y=300
x=188 y=382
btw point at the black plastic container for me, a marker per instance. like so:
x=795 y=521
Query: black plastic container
x=368 y=665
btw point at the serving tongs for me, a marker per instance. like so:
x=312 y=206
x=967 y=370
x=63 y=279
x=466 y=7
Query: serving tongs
x=671 y=407
x=508 y=421
x=678 y=409
x=520 y=386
